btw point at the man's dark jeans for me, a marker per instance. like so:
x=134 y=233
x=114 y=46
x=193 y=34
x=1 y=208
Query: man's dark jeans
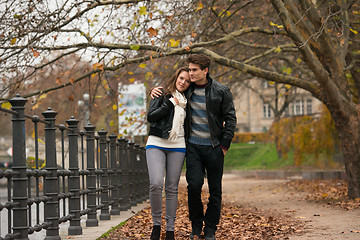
x=200 y=160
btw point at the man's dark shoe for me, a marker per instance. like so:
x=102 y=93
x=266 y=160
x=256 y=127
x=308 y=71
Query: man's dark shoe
x=169 y=235
x=209 y=233
x=155 y=233
x=194 y=236
x=210 y=236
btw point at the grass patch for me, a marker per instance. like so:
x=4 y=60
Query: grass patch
x=245 y=156
x=105 y=235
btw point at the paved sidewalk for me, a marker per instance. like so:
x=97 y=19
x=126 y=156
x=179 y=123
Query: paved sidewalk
x=93 y=233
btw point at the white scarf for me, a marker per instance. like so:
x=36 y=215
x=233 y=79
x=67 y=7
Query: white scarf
x=179 y=116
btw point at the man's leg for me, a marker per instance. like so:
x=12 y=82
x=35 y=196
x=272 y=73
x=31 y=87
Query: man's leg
x=195 y=180
x=214 y=169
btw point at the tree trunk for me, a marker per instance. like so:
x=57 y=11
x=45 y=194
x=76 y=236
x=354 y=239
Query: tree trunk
x=348 y=128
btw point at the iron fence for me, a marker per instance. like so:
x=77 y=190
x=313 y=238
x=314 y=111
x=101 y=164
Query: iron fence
x=98 y=173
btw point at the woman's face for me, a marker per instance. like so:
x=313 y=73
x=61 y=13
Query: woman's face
x=183 y=81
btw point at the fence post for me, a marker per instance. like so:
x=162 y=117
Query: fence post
x=105 y=215
x=132 y=176
x=114 y=177
x=51 y=185
x=138 y=175
x=20 y=224
x=124 y=175
x=74 y=178
x=145 y=177
x=91 y=178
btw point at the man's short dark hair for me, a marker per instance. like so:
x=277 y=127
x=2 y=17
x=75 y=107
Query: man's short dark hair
x=200 y=59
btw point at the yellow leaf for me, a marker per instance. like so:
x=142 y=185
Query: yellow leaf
x=271 y=82
x=142 y=11
x=278 y=49
x=41 y=141
x=114 y=107
x=134 y=47
x=6 y=105
x=142 y=65
x=287 y=86
x=149 y=75
x=42 y=96
x=272 y=24
x=122 y=112
x=93 y=75
x=200 y=6
x=354 y=31
x=130 y=73
x=298 y=60
x=131 y=80
x=112 y=123
x=174 y=43
x=13 y=41
x=35 y=106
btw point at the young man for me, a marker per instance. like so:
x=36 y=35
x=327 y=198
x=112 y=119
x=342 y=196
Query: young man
x=209 y=128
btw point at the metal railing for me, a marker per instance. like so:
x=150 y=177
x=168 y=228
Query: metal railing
x=105 y=175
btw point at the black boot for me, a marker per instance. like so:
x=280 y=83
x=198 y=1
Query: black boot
x=169 y=235
x=155 y=233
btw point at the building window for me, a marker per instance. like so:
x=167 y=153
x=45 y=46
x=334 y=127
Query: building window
x=267 y=110
x=265 y=84
x=309 y=106
x=298 y=107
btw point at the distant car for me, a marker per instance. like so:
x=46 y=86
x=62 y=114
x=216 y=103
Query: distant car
x=6 y=164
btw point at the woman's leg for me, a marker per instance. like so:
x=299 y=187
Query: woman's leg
x=174 y=164
x=156 y=159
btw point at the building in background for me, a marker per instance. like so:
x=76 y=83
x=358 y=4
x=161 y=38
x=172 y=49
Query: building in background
x=255 y=103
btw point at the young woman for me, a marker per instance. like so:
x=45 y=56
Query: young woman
x=165 y=149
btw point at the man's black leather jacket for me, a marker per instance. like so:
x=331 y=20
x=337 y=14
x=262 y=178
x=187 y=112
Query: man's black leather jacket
x=220 y=111
x=160 y=115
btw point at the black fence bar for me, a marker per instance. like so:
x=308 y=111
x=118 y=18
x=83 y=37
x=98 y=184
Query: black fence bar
x=105 y=214
x=20 y=226
x=74 y=179
x=51 y=179
x=91 y=178
x=113 y=178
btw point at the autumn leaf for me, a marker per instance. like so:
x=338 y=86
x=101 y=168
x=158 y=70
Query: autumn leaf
x=122 y=112
x=142 y=65
x=36 y=53
x=152 y=32
x=200 y=6
x=174 y=43
x=131 y=80
x=98 y=66
x=72 y=80
x=142 y=11
x=13 y=41
x=134 y=47
x=278 y=49
x=58 y=80
x=6 y=105
x=354 y=31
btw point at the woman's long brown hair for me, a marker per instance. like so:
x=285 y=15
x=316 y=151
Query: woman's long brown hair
x=170 y=86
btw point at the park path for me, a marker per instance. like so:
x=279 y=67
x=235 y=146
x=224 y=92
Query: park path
x=321 y=221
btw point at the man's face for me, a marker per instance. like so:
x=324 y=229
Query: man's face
x=197 y=75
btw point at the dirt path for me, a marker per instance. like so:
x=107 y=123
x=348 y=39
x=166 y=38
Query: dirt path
x=321 y=222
